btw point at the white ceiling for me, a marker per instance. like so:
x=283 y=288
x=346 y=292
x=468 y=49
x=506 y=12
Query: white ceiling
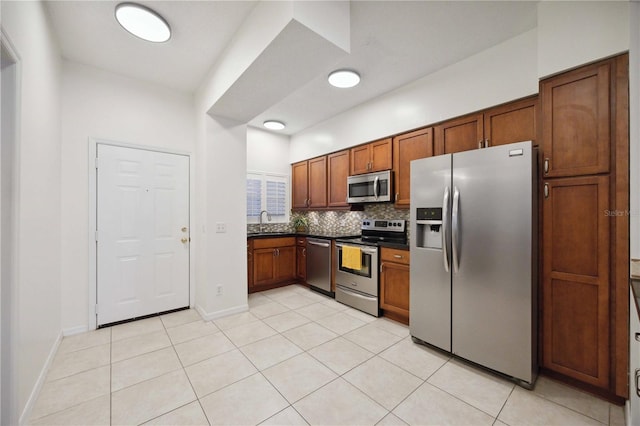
x=392 y=44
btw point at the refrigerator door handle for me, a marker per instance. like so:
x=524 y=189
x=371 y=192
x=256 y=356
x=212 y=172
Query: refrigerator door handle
x=445 y=219
x=455 y=230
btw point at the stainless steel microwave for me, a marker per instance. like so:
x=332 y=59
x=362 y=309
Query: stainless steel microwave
x=370 y=187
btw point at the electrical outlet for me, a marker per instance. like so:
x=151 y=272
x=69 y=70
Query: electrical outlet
x=219 y=291
x=221 y=227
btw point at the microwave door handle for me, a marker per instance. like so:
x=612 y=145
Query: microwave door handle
x=376 y=181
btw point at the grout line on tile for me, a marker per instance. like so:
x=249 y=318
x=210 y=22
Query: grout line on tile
x=513 y=389
x=568 y=408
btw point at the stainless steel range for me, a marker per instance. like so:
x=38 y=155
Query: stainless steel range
x=357 y=285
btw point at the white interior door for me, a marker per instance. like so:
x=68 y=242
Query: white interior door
x=142 y=232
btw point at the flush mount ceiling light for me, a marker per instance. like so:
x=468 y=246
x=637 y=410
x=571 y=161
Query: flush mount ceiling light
x=344 y=78
x=143 y=22
x=273 y=125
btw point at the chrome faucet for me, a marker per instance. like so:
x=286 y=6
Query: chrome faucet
x=268 y=218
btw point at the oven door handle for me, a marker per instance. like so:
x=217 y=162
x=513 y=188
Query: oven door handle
x=364 y=250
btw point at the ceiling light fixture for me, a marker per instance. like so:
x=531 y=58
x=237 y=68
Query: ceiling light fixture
x=344 y=78
x=273 y=125
x=143 y=22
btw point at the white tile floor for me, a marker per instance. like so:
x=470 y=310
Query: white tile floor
x=295 y=358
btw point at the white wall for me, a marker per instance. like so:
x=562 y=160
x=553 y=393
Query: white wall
x=8 y=185
x=100 y=104
x=267 y=152
x=572 y=33
x=38 y=272
x=499 y=74
x=221 y=257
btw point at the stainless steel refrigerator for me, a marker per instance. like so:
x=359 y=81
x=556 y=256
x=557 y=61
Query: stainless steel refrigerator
x=474 y=256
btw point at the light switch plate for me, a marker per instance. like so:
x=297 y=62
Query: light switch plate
x=221 y=227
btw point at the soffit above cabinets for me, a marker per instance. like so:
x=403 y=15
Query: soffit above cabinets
x=392 y=43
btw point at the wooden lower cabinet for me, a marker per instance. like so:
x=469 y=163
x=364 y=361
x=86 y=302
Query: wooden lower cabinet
x=274 y=263
x=301 y=259
x=249 y=263
x=394 y=284
x=576 y=279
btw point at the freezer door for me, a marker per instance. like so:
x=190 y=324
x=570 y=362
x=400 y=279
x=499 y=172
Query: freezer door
x=493 y=290
x=430 y=281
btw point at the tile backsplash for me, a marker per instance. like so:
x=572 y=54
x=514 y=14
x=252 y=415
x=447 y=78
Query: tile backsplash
x=339 y=221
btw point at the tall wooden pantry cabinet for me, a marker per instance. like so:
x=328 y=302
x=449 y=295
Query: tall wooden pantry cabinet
x=585 y=226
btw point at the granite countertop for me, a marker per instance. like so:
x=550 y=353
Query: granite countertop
x=396 y=246
x=635 y=288
x=327 y=235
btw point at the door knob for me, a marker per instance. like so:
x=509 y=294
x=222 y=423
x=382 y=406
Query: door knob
x=184 y=229
x=184 y=240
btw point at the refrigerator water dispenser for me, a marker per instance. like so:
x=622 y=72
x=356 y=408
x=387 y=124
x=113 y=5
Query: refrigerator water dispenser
x=429 y=227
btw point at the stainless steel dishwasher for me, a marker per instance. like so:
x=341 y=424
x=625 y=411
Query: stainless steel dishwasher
x=319 y=265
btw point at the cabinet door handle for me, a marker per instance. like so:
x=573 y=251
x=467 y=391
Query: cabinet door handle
x=304 y=252
x=546 y=165
x=381 y=266
x=274 y=252
x=486 y=143
x=397 y=256
x=480 y=144
x=397 y=195
x=546 y=190
x=638 y=382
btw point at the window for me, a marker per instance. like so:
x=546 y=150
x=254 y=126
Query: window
x=270 y=192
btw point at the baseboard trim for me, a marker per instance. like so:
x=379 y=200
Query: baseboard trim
x=627 y=413
x=26 y=413
x=210 y=316
x=75 y=330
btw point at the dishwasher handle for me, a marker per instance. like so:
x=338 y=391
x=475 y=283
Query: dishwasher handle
x=313 y=243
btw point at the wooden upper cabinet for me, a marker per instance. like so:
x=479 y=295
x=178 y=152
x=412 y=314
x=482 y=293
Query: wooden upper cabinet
x=576 y=121
x=381 y=155
x=372 y=157
x=460 y=134
x=408 y=147
x=576 y=284
x=513 y=122
x=338 y=171
x=360 y=160
x=318 y=182
x=299 y=185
